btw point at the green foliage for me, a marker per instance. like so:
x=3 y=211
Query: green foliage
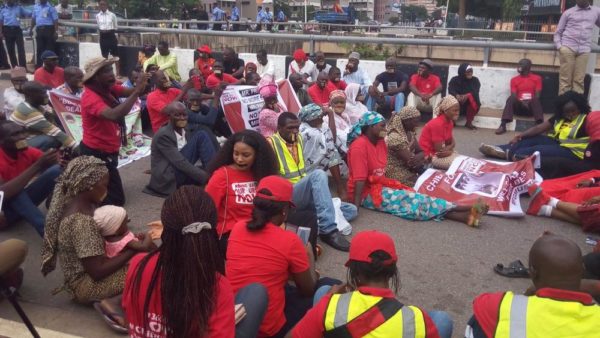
x=372 y=51
x=154 y=9
x=412 y=12
x=394 y=20
x=495 y=9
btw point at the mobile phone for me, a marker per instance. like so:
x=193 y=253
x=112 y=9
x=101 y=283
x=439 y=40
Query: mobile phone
x=304 y=234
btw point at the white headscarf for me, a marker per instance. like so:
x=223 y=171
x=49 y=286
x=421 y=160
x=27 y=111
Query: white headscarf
x=354 y=109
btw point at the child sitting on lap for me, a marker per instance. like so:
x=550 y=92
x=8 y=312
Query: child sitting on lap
x=112 y=224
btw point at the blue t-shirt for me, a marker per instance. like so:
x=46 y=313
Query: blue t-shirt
x=44 y=15
x=11 y=15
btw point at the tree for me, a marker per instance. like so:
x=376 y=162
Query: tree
x=412 y=12
x=394 y=20
x=495 y=9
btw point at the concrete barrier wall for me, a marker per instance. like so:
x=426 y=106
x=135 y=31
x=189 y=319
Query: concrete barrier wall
x=495 y=82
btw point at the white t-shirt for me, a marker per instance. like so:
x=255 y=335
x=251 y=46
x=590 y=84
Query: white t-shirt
x=269 y=68
x=106 y=20
x=309 y=69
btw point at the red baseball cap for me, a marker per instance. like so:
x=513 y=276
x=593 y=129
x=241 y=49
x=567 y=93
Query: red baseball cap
x=300 y=55
x=205 y=49
x=281 y=189
x=369 y=241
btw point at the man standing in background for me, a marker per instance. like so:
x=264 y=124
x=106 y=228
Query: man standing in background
x=65 y=12
x=10 y=29
x=45 y=22
x=573 y=39
x=235 y=17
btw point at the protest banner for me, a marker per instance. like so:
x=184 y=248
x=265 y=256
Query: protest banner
x=242 y=104
x=470 y=179
x=68 y=110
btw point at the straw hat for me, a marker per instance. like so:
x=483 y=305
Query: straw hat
x=94 y=65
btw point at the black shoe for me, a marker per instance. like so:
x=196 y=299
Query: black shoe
x=336 y=240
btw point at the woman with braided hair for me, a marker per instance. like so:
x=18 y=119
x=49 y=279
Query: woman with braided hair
x=71 y=235
x=179 y=289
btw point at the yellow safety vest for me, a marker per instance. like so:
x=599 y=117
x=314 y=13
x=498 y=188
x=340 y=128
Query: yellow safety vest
x=342 y=308
x=288 y=168
x=532 y=317
x=566 y=135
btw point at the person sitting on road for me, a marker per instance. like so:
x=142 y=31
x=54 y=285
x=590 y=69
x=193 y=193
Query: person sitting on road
x=320 y=90
x=264 y=66
x=564 y=135
x=354 y=106
x=406 y=160
x=50 y=75
x=267 y=117
x=73 y=82
x=147 y=52
x=525 y=91
x=205 y=61
x=556 y=306
x=373 y=282
x=218 y=75
x=368 y=186
x=175 y=151
x=232 y=64
x=355 y=74
x=166 y=61
x=244 y=160
x=163 y=95
x=112 y=224
x=72 y=237
x=335 y=78
x=250 y=67
x=27 y=176
x=318 y=148
x=465 y=87
x=436 y=138
x=41 y=133
x=394 y=84
x=202 y=116
x=425 y=88
x=303 y=66
x=262 y=251
x=311 y=189
x=320 y=63
x=13 y=96
x=297 y=81
x=252 y=79
x=188 y=266
x=341 y=120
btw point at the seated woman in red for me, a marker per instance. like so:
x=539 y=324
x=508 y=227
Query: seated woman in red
x=263 y=251
x=436 y=138
x=368 y=186
x=245 y=159
x=178 y=290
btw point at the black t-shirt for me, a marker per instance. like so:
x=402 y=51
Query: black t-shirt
x=232 y=66
x=391 y=81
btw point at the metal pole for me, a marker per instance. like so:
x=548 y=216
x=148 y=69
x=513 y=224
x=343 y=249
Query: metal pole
x=591 y=66
x=305 y=11
x=447 y=11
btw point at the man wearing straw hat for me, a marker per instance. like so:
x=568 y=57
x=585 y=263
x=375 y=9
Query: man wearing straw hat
x=103 y=117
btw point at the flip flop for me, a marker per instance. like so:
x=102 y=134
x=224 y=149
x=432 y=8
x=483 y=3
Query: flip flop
x=109 y=318
x=515 y=269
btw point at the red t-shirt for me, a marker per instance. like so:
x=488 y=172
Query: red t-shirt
x=232 y=191
x=221 y=321
x=365 y=159
x=267 y=256
x=205 y=67
x=13 y=167
x=437 y=130
x=320 y=96
x=341 y=84
x=486 y=307
x=213 y=81
x=54 y=79
x=526 y=86
x=312 y=324
x=156 y=102
x=425 y=85
x=100 y=133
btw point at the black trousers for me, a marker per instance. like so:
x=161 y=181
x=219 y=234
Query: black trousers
x=116 y=195
x=13 y=35
x=109 y=44
x=45 y=39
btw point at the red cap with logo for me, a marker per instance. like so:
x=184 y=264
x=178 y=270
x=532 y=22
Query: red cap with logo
x=281 y=189
x=367 y=242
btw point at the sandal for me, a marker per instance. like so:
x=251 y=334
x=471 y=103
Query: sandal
x=515 y=269
x=477 y=211
x=110 y=318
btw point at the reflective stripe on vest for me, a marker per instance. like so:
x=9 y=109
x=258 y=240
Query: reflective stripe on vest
x=567 y=136
x=345 y=307
x=522 y=316
x=288 y=167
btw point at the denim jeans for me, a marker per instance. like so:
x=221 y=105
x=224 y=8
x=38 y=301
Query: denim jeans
x=43 y=142
x=312 y=191
x=398 y=103
x=198 y=147
x=442 y=320
x=255 y=300
x=547 y=146
x=24 y=205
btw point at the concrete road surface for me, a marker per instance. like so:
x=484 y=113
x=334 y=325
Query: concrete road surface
x=443 y=265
